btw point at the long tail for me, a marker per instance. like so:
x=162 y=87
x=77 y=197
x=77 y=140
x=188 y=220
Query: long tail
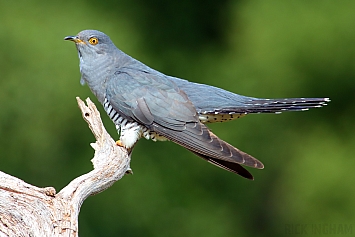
x=255 y=105
x=213 y=100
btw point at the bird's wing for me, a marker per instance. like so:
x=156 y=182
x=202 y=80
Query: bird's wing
x=157 y=103
x=147 y=98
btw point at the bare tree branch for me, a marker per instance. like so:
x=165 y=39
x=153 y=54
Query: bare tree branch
x=26 y=210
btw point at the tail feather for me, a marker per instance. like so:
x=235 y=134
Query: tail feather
x=210 y=100
x=255 y=105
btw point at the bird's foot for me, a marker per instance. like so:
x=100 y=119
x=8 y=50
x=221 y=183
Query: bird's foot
x=119 y=143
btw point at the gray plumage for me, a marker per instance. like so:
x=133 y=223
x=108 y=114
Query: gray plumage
x=143 y=102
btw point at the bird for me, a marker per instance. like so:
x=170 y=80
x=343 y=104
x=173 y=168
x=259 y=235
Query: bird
x=143 y=102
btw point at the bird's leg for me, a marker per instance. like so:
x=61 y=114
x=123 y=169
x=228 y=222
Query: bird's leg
x=119 y=143
x=129 y=149
x=129 y=135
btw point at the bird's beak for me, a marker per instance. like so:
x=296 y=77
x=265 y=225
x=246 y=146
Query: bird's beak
x=74 y=39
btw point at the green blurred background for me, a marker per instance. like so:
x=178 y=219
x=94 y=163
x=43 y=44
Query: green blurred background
x=258 y=48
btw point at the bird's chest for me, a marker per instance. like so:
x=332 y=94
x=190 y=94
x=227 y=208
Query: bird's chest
x=117 y=119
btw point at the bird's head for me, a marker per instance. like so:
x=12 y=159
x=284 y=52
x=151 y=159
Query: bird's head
x=92 y=43
x=96 y=53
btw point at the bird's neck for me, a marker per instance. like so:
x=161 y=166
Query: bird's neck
x=97 y=69
x=95 y=72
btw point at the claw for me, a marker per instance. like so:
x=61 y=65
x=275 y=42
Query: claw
x=119 y=143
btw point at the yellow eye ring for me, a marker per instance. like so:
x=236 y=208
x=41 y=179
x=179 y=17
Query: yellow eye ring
x=93 y=41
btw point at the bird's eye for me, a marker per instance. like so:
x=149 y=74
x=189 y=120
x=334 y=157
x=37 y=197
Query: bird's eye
x=93 y=41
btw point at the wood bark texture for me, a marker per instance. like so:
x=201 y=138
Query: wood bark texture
x=26 y=210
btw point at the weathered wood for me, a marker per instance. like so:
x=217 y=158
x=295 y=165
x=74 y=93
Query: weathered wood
x=26 y=210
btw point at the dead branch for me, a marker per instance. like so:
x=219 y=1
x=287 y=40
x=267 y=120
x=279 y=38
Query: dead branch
x=26 y=210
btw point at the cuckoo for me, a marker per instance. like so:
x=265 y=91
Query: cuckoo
x=143 y=102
